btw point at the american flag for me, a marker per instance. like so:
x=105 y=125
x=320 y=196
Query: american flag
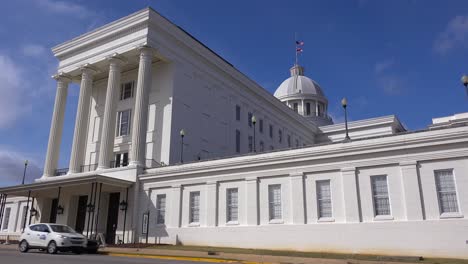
x=298 y=50
x=299 y=43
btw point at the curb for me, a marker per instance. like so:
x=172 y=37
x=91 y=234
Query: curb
x=167 y=257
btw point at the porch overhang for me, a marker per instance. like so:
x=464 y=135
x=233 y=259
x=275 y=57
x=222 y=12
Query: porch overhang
x=64 y=181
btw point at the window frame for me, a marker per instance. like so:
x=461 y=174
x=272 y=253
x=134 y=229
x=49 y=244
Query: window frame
x=320 y=199
x=272 y=203
x=6 y=219
x=122 y=90
x=230 y=206
x=238 y=141
x=447 y=214
x=260 y=126
x=380 y=196
x=119 y=123
x=161 y=210
x=238 y=112
x=194 y=208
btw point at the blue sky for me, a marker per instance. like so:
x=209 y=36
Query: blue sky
x=395 y=57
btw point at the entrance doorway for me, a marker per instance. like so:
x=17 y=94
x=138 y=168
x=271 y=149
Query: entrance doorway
x=81 y=213
x=112 y=217
x=53 y=211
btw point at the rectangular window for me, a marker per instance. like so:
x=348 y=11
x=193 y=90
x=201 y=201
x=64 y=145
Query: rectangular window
x=232 y=205
x=295 y=107
x=260 y=126
x=23 y=216
x=324 y=202
x=238 y=141
x=126 y=91
x=289 y=141
x=6 y=218
x=238 y=114
x=194 y=207
x=123 y=123
x=121 y=160
x=307 y=108
x=446 y=192
x=250 y=143
x=274 y=200
x=280 y=136
x=262 y=146
x=297 y=143
x=249 y=116
x=380 y=195
x=271 y=131
x=160 y=209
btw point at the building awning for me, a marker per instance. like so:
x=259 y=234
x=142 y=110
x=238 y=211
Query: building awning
x=64 y=181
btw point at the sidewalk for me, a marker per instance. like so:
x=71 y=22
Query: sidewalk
x=222 y=257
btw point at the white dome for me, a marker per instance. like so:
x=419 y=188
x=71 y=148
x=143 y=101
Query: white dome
x=298 y=84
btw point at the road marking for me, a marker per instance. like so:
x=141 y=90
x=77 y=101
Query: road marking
x=198 y=259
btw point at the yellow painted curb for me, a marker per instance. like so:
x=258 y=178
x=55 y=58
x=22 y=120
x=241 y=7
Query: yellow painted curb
x=136 y=255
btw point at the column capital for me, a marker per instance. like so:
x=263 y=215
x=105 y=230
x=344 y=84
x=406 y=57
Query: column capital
x=88 y=69
x=146 y=50
x=63 y=77
x=116 y=60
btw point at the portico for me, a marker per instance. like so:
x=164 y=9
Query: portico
x=91 y=204
x=87 y=74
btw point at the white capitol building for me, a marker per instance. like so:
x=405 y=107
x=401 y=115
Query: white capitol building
x=175 y=145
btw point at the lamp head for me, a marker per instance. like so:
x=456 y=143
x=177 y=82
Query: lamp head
x=26 y=163
x=182 y=133
x=254 y=120
x=344 y=102
x=464 y=80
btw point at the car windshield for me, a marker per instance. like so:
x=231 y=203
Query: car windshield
x=62 y=229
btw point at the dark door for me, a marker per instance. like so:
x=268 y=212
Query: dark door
x=53 y=211
x=112 y=217
x=81 y=213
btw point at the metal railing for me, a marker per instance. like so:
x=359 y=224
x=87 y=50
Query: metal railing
x=89 y=167
x=61 y=172
x=113 y=164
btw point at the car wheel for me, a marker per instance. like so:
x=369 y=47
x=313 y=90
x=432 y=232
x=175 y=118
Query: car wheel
x=52 y=247
x=23 y=246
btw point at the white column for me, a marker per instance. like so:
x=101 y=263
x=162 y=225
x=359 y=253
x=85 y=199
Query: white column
x=411 y=190
x=303 y=108
x=140 y=116
x=316 y=108
x=56 y=126
x=81 y=122
x=350 y=195
x=251 y=200
x=211 y=204
x=297 y=198
x=175 y=209
x=108 y=124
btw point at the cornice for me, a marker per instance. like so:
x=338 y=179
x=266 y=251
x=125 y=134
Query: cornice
x=102 y=32
x=315 y=153
x=364 y=123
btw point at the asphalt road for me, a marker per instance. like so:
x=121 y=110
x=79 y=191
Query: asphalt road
x=9 y=256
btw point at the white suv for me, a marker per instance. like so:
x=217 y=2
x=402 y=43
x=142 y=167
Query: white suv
x=53 y=238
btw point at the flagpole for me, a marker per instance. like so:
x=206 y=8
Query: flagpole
x=295 y=46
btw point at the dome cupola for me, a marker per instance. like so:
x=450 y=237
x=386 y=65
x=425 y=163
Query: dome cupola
x=304 y=96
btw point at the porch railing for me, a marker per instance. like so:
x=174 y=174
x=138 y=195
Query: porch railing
x=89 y=167
x=113 y=164
x=61 y=172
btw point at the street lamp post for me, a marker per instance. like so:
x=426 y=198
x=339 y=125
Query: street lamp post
x=254 y=121
x=24 y=173
x=344 y=103
x=464 y=80
x=182 y=135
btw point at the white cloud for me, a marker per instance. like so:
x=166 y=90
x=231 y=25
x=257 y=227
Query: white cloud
x=64 y=8
x=391 y=84
x=13 y=91
x=455 y=35
x=33 y=50
x=384 y=65
x=12 y=168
